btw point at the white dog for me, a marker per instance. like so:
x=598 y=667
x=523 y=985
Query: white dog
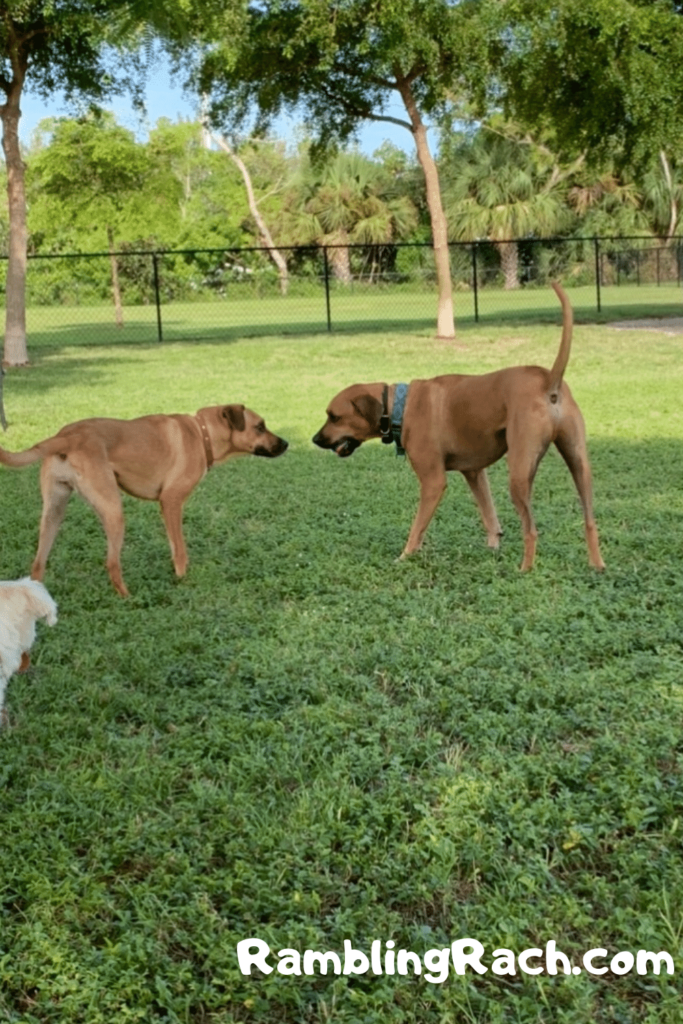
x=22 y=603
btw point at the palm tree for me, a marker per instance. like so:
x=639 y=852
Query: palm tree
x=502 y=189
x=608 y=205
x=348 y=200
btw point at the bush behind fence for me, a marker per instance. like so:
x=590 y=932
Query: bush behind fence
x=352 y=287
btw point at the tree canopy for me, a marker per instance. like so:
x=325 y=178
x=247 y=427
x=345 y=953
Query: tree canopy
x=594 y=92
x=339 y=65
x=335 y=64
x=47 y=46
x=606 y=77
x=173 y=192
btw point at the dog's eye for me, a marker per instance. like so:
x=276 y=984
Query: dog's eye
x=260 y=428
x=332 y=418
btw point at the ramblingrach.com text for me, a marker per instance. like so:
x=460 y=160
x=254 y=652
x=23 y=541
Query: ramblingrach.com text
x=435 y=965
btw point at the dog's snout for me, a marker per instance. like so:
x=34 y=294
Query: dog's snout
x=320 y=440
x=279 y=447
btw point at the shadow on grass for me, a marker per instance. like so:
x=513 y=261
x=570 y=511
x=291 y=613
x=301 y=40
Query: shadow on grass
x=143 y=335
x=313 y=500
x=360 y=510
x=582 y=314
x=91 y=336
x=88 y=371
x=88 y=336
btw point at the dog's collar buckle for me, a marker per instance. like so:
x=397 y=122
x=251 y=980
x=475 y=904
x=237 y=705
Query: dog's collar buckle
x=207 y=441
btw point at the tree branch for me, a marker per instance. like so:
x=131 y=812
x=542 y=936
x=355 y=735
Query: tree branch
x=389 y=120
x=672 y=195
x=557 y=174
x=266 y=236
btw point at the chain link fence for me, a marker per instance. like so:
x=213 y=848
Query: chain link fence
x=152 y=295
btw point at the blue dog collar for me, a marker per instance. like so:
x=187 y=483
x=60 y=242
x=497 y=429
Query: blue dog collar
x=400 y=395
x=391 y=428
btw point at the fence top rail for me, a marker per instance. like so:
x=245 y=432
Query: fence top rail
x=555 y=240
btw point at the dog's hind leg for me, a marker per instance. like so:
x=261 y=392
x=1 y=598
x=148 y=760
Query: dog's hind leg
x=524 y=457
x=432 y=486
x=97 y=484
x=56 y=494
x=520 y=492
x=571 y=444
x=479 y=485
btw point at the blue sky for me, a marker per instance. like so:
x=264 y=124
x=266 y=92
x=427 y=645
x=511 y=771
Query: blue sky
x=167 y=99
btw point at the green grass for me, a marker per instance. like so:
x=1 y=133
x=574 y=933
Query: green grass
x=355 y=309
x=306 y=741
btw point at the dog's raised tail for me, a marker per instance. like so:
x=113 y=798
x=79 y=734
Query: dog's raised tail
x=560 y=364
x=50 y=446
x=18 y=459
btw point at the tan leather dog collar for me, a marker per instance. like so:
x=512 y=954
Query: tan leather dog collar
x=207 y=441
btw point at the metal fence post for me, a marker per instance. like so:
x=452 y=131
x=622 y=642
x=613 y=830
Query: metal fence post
x=475 y=285
x=597 y=273
x=327 y=288
x=157 y=296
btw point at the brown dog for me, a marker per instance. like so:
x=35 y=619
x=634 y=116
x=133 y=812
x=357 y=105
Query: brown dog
x=160 y=458
x=466 y=422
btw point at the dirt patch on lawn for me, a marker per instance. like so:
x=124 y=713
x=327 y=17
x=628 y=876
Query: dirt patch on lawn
x=664 y=324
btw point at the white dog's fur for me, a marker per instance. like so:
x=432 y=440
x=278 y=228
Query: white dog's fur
x=22 y=603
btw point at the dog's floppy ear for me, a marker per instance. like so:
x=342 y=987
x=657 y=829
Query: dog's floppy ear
x=369 y=408
x=234 y=414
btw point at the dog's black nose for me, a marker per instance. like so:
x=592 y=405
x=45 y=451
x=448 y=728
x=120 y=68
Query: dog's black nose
x=319 y=440
x=279 y=448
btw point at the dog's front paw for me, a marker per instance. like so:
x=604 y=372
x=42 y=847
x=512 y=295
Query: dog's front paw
x=404 y=555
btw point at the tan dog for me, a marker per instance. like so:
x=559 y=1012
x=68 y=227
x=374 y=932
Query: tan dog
x=160 y=458
x=466 y=423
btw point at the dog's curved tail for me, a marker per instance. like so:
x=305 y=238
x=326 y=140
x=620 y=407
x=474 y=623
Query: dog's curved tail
x=16 y=460
x=560 y=364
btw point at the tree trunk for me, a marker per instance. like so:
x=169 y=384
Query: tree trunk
x=275 y=254
x=15 y=350
x=673 y=206
x=509 y=262
x=115 y=288
x=445 y=327
x=339 y=256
